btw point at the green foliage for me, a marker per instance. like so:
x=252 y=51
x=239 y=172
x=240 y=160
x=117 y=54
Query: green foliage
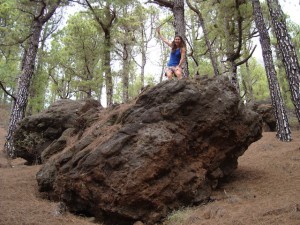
x=36 y=102
x=9 y=49
x=73 y=66
x=294 y=31
x=258 y=80
x=74 y=59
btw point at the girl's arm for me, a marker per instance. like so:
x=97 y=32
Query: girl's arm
x=163 y=38
x=182 y=57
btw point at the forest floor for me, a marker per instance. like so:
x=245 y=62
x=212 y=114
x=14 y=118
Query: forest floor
x=265 y=189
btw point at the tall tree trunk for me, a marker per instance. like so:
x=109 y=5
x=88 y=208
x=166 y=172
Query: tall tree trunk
x=233 y=74
x=283 y=82
x=143 y=66
x=125 y=72
x=144 y=46
x=287 y=49
x=38 y=85
x=107 y=70
x=207 y=41
x=144 y=59
x=249 y=94
x=178 y=12
x=21 y=98
x=282 y=124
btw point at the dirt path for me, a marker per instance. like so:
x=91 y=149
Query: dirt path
x=265 y=189
x=20 y=203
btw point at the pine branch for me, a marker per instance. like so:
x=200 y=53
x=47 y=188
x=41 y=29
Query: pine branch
x=6 y=92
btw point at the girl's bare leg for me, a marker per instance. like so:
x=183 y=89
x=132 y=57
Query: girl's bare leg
x=169 y=74
x=178 y=73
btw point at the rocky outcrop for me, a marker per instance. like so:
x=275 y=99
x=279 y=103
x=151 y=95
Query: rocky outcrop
x=167 y=150
x=40 y=136
x=266 y=112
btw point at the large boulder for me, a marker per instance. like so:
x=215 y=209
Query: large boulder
x=167 y=150
x=42 y=135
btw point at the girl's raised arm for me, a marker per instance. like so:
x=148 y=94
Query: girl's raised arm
x=163 y=38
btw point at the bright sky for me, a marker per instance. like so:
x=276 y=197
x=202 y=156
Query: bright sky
x=292 y=8
x=289 y=7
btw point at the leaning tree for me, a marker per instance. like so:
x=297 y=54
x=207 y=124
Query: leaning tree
x=40 y=12
x=282 y=124
x=288 y=52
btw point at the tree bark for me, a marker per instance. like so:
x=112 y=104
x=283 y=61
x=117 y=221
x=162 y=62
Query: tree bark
x=282 y=124
x=125 y=72
x=107 y=69
x=23 y=85
x=287 y=49
x=144 y=57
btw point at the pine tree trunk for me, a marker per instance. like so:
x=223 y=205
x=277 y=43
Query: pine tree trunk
x=178 y=12
x=233 y=74
x=107 y=70
x=19 y=106
x=144 y=57
x=144 y=60
x=283 y=82
x=38 y=86
x=282 y=124
x=287 y=49
x=249 y=93
x=125 y=73
x=28 y=64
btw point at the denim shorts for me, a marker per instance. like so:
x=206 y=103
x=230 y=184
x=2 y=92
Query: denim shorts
x=171 y=68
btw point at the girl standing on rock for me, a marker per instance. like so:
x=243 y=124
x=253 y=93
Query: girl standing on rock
x=177 y=56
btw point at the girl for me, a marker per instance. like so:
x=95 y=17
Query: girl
x=177 y=56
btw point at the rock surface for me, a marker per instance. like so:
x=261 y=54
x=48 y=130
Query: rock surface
x=267 y=114
x=44 y=134
x=169 y=149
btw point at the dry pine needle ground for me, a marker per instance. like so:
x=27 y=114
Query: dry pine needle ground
x=265 y=189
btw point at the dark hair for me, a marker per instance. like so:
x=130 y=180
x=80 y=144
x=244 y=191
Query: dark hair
x=182 y=43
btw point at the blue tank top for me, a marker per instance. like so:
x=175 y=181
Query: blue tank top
x=175 y=58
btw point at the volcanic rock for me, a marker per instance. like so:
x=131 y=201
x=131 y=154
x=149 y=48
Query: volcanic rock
x=166 y=150
x=42 y=135
x=267 y=113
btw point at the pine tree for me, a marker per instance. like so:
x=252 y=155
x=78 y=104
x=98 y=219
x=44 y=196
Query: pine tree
x=282 y=124
x=41 y=12
x=287 y=49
